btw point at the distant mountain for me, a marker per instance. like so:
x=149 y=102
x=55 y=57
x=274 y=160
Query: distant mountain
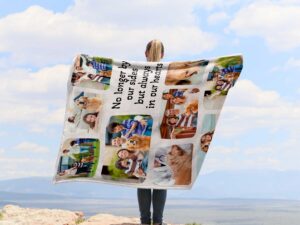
x=42 y=187
x=255 y=184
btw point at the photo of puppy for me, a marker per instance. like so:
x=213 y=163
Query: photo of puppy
x=83 y=112
x=185 y=73
x=89 y=103
x=127 y=140
x=172 y=165
x=180 y=162
x=137 y=142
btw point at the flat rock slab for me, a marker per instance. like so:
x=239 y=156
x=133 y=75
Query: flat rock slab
x=15 y=215
x=108 y=219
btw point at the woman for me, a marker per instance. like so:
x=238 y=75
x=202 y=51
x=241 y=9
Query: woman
x=91 y=119
x=205 y=140
x=154 y=53
x=124 y=153
x=133 y=162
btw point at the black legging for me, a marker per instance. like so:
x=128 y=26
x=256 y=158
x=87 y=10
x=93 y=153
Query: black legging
x=158 y=199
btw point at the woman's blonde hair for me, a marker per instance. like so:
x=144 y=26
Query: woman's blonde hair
x=154 y=51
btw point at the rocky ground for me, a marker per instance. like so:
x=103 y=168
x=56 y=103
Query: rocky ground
x=15 y=215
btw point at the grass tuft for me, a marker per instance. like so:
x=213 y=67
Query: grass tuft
x=79 y=220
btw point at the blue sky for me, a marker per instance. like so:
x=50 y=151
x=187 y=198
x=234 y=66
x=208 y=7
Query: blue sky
x=260 y=123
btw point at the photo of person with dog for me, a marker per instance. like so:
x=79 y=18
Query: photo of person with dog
x=186 y=73
x=92 y=72
x=205 y=140
x=223 y=76
x=207 y=131
x=134 y=163
x=127 y=147
x=83 y=112
x=172 y=165
x=78 y=158
x=181 y=113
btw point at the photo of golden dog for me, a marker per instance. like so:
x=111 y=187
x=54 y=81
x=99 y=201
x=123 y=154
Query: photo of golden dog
x=91 y=104
x=180 y=161
x=179 y=73
x=127 y=148
x=138 y=143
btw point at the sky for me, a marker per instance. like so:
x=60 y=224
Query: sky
x=259 y=125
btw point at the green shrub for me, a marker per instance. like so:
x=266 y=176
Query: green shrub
x=79 y=220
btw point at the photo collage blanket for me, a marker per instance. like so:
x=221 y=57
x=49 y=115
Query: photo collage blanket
x=142 y=124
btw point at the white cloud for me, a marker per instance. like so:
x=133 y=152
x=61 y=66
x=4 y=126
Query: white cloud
x=274 y=21
x=30 y=113
x=249 y=107
x=41 y=37
x=16 y=167
x=288 y=2
x=36 y=128
x=31 y=147
x=24 y=81
x=292 y=63
x=55 y=117
x=217 y=17
x=212 y=4
x=246 y=93
x=226 y=163
x=22 y=112
x=37 y=98
x=40 y=114
x=273 y=154
x=139 y=13
x=224 y=149
x=236 y=143
x=259 y=150
x=57 y=37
